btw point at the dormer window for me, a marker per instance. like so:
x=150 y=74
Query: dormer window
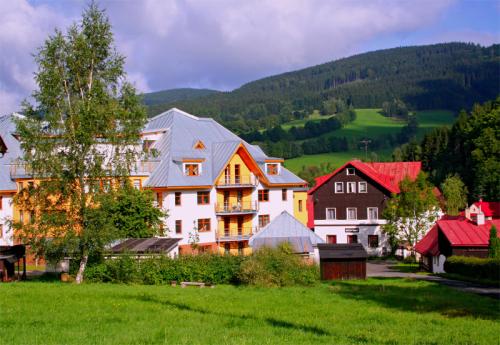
x=146 y=145
x=272 y=168
x=351 y=171
x=199 y=145
x=192 y=169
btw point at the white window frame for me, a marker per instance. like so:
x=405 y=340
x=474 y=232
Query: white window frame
x=366 y=186
x=334 y=211
x=191 y=163
x=352 y=170
x=137 y=184
x=353 y=185
x=368 y=213
x=355 y=213
x=341 y=184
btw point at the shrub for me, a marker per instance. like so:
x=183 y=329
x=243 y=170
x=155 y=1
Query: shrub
x=277 y=267
x=472 y=267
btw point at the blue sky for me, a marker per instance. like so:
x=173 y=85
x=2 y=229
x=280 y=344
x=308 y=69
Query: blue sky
x=223 y=44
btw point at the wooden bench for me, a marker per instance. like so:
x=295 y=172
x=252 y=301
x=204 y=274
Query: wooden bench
x=201 y=285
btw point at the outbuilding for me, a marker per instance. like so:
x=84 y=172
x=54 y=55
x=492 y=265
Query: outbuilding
x=342 y=261
x=145 y=247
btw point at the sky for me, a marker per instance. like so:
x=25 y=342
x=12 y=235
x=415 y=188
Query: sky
x=222 y=44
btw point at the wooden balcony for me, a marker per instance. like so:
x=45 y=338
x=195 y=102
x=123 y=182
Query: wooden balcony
x=240 y=234
x=243 y=207
x=242 y=181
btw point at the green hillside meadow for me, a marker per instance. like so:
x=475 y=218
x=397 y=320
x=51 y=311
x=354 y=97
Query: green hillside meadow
x=370 y=123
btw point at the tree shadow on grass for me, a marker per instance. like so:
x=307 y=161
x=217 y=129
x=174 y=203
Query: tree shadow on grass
x=245 y=317
x=420 y=298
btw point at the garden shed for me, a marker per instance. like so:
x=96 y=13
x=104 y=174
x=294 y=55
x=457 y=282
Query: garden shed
x=153 y=246
x=9 y=257
x=342 y=261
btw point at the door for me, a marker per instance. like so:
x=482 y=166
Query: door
x=237 y=177
x=239 y=200
x=332 y=239
x=240 y=226
x=226 y=200
x=352 y=238
x=227 y=223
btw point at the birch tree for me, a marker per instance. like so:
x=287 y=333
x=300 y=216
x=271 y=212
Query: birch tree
x=410 y=213
x=79 y=138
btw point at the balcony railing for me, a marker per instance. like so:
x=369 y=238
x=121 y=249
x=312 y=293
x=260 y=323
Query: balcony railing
x=146 y=167
x=237 y=181
x=239 y=234
x=237 y=207
x=20 y=170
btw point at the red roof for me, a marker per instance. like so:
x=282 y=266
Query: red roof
x=465 y=233
x=429 y=245
x=489 y=208
x=388 y=175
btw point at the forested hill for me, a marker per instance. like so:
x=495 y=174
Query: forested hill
x=445 y=76
x=156 y=100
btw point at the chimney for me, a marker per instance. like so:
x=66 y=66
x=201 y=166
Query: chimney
x=480 y=217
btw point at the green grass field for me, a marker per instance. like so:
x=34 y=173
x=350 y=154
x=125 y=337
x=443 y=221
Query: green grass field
x=315 y=117
x=375 y=311
x=370 y=123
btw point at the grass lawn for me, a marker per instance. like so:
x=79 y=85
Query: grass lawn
x=370 y=123
x=375 y=311
x=315 y=117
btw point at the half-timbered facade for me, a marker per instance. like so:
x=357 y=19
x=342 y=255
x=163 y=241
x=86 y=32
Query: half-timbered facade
x=346 y=206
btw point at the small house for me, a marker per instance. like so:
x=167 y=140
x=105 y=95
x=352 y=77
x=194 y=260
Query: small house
x=144 y=247
x=342 y=261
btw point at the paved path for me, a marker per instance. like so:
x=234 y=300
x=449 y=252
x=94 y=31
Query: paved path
x=382 y=269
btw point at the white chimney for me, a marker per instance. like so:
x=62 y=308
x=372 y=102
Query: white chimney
x=480 y=217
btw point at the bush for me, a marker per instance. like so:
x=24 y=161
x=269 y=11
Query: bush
x=472 y=267
x=277 y=267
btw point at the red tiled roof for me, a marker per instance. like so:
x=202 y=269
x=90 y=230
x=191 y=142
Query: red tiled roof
x=489 y=208
x=463 y=232
x=388 y=175
x=429 y=245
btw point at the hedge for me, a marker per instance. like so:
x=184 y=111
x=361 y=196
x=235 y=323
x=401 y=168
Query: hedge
x=473 y=267
x=266 y=267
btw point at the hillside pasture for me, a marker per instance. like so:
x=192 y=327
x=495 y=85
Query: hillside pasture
x=375 y=311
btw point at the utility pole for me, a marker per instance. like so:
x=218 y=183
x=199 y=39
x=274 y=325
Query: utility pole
x=366 y=142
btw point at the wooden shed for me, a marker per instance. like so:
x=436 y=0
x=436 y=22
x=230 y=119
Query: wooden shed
x=342 y=261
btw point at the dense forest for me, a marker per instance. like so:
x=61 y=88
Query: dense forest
x=469 y=149
x=441 y=76
x=155 y=100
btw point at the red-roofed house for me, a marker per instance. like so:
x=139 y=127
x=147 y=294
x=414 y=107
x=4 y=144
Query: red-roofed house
x=458 y=236
x=346 y=205
x=490 y=209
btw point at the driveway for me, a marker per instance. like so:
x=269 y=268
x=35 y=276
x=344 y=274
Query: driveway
x=382 y=269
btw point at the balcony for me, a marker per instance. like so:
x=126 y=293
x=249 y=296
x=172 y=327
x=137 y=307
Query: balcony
x=242 y=181
x=145 y=167
x=240 y=234
x=242 y=207
x=20 y=170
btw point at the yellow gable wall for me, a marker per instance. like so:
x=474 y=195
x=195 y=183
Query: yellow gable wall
x=301 y=215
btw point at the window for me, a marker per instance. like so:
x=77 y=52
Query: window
x=331 y=213
x=178 y=198
x=339 y=187
x=159 y=199
x=332 y=239
x=272 y=168
x=373 y=241
x=199 y=145
x=1 y=202
x=178 y=226
x=191 y=169
x=237 y=174
x=351 y=171
x=31 y=216
x=227 y=174
x=146 y=145
x=21 y=186
x=203 y=198
x=106 y=185
x=351 y=187
x=300 y=205
x=21 y=217
x=352 y=238
x=372 y=212
x=240 y=248
x=137 y=184
x=204 y=224
x=362 y=187
x=352 y=213
x=264 y=195
x=1 y=231
x=263 y=220
x=227 y=248
x=283 y=194
x=31 y=184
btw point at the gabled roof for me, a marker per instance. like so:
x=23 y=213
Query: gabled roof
x=152 y=245
x=429 y=245
x=180 y=129
x=489 y=208
x=342 y=251
x=286 y=228
x=464 y=232
x=387 y=175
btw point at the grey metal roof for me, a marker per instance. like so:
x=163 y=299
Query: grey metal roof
x=182 y=131
x=286 y=227
x=151 y=245
x=7 y=131
x=342 y=251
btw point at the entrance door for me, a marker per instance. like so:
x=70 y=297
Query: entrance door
x=226 y=200
x=227 y=223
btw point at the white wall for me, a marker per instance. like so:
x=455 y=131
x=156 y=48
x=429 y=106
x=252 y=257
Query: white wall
x=6 y=214
x=364 y=231
x=438 y=264
x=275 y=205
